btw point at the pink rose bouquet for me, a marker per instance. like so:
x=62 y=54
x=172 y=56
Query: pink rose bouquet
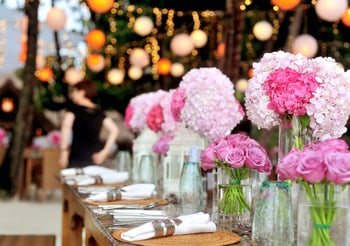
x=286 y=85
x=320 y=167
x=205 y=103
x=237 y=154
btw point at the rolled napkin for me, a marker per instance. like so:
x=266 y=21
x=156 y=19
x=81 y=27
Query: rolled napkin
x=182 y=225
x=89 y=170
x=107 y=178
x=131 y=192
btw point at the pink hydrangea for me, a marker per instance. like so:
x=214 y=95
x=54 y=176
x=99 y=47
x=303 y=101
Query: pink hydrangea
x=205 y=103
x=284 y=83
x=155 y=118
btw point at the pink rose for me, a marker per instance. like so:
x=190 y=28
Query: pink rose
x=155 y=118
x=311 y=166
x=177 y=103
x=162 y=145
x=329 y=145
x=338 y=167
x=286 y=168
x=235 y=158
x=129 y=111
x=222 y=148
x=256 y=158
x=208 y=157
x=235 y=138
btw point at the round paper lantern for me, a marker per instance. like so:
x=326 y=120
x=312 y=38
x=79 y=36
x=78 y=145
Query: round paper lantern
x=330 y=10
x=56 y=19
x=241 y=85
x=100 y=6
x=95 y=62
x=177 y=69
x=95 y=39
x=135 y=72
x=286 y=4
x=115 y=76
x=346 y=18
x=181 y=44
x=263 y=30
x=45 y=74
x=73 y=76
x=164 y=66
x=199 y=38
x=306 y=45
x=143 y=25
x=139 y=57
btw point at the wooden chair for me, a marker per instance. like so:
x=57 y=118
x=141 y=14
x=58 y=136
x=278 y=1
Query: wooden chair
x=41 y=171
x=27 y=240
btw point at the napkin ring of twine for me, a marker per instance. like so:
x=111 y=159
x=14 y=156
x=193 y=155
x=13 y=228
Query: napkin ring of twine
x=114 y=195
x=165 y=227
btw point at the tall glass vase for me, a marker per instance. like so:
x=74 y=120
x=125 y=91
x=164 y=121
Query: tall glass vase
x=273 y=222
x=294 y=132
x=323 y=214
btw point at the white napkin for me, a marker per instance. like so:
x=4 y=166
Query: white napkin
x=89 y=170
x=191 y=224
x=131 y=192
x=107 y=178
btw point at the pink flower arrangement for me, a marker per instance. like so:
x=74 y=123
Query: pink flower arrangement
x=162 y=145
x=138 y=108
x=205 y=103
x=324 y=161
x=236 y=151
x=320 y=167
x=292 y=85
x=237 y=154
x=54 y=137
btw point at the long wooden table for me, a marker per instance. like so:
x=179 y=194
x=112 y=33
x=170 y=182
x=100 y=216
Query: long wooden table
x=82 y=225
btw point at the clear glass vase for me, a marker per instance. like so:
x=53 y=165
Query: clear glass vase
x=273 y=223
x=323 y=214
x=233 y=199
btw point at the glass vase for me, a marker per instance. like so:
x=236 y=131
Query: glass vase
x=234 y=199
x=323 y=214
x=273 y=223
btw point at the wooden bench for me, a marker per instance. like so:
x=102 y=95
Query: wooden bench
x=27 y=240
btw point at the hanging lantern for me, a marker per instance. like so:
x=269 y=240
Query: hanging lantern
x=306 y=45
x=95 y=39
x=139 y=57
x=286 y=4
x=100 y=6
x=221 y=50
x=241 y=85
x=164 y=66
x=56 y=19
x=330 y=10
x=73 y=76
x=346 y=18
x=45 y=74
x=95 y=62
x=263 y=30
x=135 y=72
x=181 y=44
x=199 y=38
x=177 y=69
x=115 y=76
x=143 y=25
x=7 y=105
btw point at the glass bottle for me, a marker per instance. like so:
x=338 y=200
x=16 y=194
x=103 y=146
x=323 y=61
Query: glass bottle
x=191 y=192
x=123 y=160
x=273 y=223
x=147 y=170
